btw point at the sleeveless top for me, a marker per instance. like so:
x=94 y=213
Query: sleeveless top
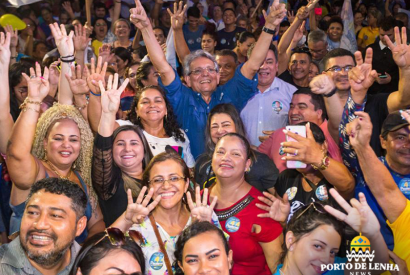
x=18 y=211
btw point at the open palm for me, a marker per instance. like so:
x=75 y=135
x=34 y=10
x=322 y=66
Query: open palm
x=400 y=51
x=110 y=98
x=38 y=86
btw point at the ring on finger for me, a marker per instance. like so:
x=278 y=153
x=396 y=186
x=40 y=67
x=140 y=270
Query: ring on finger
x=296 y=152
x=32 y=76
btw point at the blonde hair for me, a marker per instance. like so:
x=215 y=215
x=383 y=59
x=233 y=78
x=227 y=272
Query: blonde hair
x=83 y=163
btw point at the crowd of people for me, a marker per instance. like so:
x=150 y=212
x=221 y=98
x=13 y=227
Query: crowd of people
x=243 y=137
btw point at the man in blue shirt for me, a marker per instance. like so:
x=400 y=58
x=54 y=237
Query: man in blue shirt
x=192 y=30
x=193 y=102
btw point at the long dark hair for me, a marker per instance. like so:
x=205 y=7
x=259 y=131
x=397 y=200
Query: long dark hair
x=195 y=229
x=170 y=122
x=91 y=253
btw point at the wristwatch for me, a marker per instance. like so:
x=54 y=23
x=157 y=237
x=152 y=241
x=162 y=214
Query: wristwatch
x=325 y=163
x=265 y=29
x=332 y=92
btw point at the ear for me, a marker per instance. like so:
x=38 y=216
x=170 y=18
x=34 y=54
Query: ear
x=319 y=114
x=248 y=164
x=45 y=142
x=290 y=239
x=230 y=259
x=180 y=266
x=126 y=63
x=214 y=43
x=79 y=272
x=383 y=142
x=188 y=81
x=81 y=225
x=218 y=76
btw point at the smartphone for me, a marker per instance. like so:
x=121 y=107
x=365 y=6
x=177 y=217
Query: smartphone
x=383 y=76
x=318 y=11
x=301 y=131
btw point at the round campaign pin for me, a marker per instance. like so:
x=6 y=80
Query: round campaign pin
x=156 y=261
x=291 y=193
x=233 y=224
x=404 y=186
x=321 y=193
x=277 y=106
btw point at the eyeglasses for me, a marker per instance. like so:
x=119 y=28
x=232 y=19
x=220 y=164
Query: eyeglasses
x=200 y=71
x=100 y=24
x=161 y=181
x=317 y=206
x=117 y=237
x=337 y=69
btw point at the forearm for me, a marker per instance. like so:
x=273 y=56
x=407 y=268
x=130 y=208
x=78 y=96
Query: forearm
x=81 y=103
x=107 y=124
x=13 y=56
x=379 y=245
x=122 y=223
x=284 y=57
x=29 y=46
x=339 y=176
x=155 y=11
x=115 y=14
x=65 y=95
x=334 y=110
x=94 y=112
x=381 y=183
x=136 y=41
x=286 y=38
x=181 y=46
x=79 y=58
x=401 y=98
x=53 y=90
x=312 y=20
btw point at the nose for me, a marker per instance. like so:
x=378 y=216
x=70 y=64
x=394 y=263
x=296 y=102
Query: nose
x=65 y=143
x=220 y=130
x=166 y=185
x=41 y=222
x=127 y=147
x=204 y=267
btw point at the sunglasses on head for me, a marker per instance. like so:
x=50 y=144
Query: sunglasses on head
x=117 y=237
x=317 y=206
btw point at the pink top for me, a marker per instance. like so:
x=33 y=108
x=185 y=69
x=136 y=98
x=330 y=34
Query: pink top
x=271 y=146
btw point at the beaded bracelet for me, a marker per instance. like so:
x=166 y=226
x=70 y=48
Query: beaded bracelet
x=81 y=107
x=28 y=101
x=94 y=94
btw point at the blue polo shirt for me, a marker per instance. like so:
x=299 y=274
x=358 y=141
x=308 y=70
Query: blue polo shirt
x=192 y=111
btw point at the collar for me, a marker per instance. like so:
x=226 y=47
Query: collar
x=382 y=46
x=273 y=87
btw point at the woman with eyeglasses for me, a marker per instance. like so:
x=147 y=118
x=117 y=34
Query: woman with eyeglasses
x=109 y=253
x=120 y=157
x=202 y=247
x=304 y=185
x=255 y=242
x=314 y=234
x=171 y=211
x=223 y=119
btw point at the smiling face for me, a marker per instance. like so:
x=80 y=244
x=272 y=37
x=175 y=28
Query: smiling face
x=302 y=110
x=152 y=77
x=100 y=28
x=299 y=65
x=229 y=17
x=205 y=82
x=151 y=106
x=244 y=47
x=227 y=67
x=313 y=71
x=229 y=159
x=171 y=192
x=397 y=146
x=48 y=227
x=117 y=261
x=314 y=249
x=267 y=72
x=63 y=143
x=132 y=71
x=205 y=254
x=340 y=78
x=335 y=31
x=358 y=19
x=122 y=29
x=221 y=124
x=159 y=35
x=128 y=151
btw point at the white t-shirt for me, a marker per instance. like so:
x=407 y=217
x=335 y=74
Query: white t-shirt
x=157 y=145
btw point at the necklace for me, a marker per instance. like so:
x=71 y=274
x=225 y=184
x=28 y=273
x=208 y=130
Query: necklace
x=281 y=272
x=57 y=173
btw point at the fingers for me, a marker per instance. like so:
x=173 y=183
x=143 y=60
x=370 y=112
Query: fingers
x=302 y=26
x=388 y=42
x=297 y=137
x=340 y=200
x=26 y=77
x=148 y=197
x=115 y=84
x=362 y=199
x=369 y=56
x=93 y=65
x=129 y=196
x=63 y=30
x=198 y=195
x=109 y=83
x=100 y=84
x=45 y=74
x=263 y=207
x=189 y=200
x=359 y=58
x=32 y=72
x=72 y=68
x=141 y=195
x=123 y=86
x=152 y=205
x=85 y=73
x=397 y=37
x=335 y=213
x=404 y=35
x=213 y=203
x=104 y=69
x=309 y=134
x=38 y=69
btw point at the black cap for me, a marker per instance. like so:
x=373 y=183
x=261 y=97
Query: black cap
x=393 y=122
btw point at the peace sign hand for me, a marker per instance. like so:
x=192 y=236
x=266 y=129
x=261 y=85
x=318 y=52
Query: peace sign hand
x=178 y=17
x=110 y=99
x=201 y=210
x=139 y=17
x=360 y=217
x=136 y=212
x=38 y=86
x=362 y=76
x=277 y=209
x=401 y=51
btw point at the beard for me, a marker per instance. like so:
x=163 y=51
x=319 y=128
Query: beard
x=46 y=258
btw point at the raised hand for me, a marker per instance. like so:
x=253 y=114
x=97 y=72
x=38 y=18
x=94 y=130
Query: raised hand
x=302 y=13
x=359 y=130
x=78 y=80
x=63 y=41
x=312 y=4
x=80 y=39
x=5 y=49
x=54 y=73
x=299 y=32
x=136 y=212
x=400 y=51
x=38 y=86
x=97 y=74
x=67 y=6
x=178 y=16
x=291 y=16
x=201 y=210
x=276 y=15
x=110 y=99
x=14 y=35
x=139 y=17
x=322 y=84
x=360 y=217
x=362 y=76
x=105 y=52
x=277 y=209
x=306 y=150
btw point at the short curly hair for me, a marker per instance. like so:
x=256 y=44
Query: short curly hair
x=83 y=163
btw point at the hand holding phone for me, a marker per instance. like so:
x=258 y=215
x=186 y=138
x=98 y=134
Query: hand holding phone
x=301 y=131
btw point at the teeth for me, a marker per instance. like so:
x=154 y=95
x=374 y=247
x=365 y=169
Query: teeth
x=224 y=165
x=35 y=237
x=205 y=81
x=65 y=153
x=169 y=194
x=127 y=157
